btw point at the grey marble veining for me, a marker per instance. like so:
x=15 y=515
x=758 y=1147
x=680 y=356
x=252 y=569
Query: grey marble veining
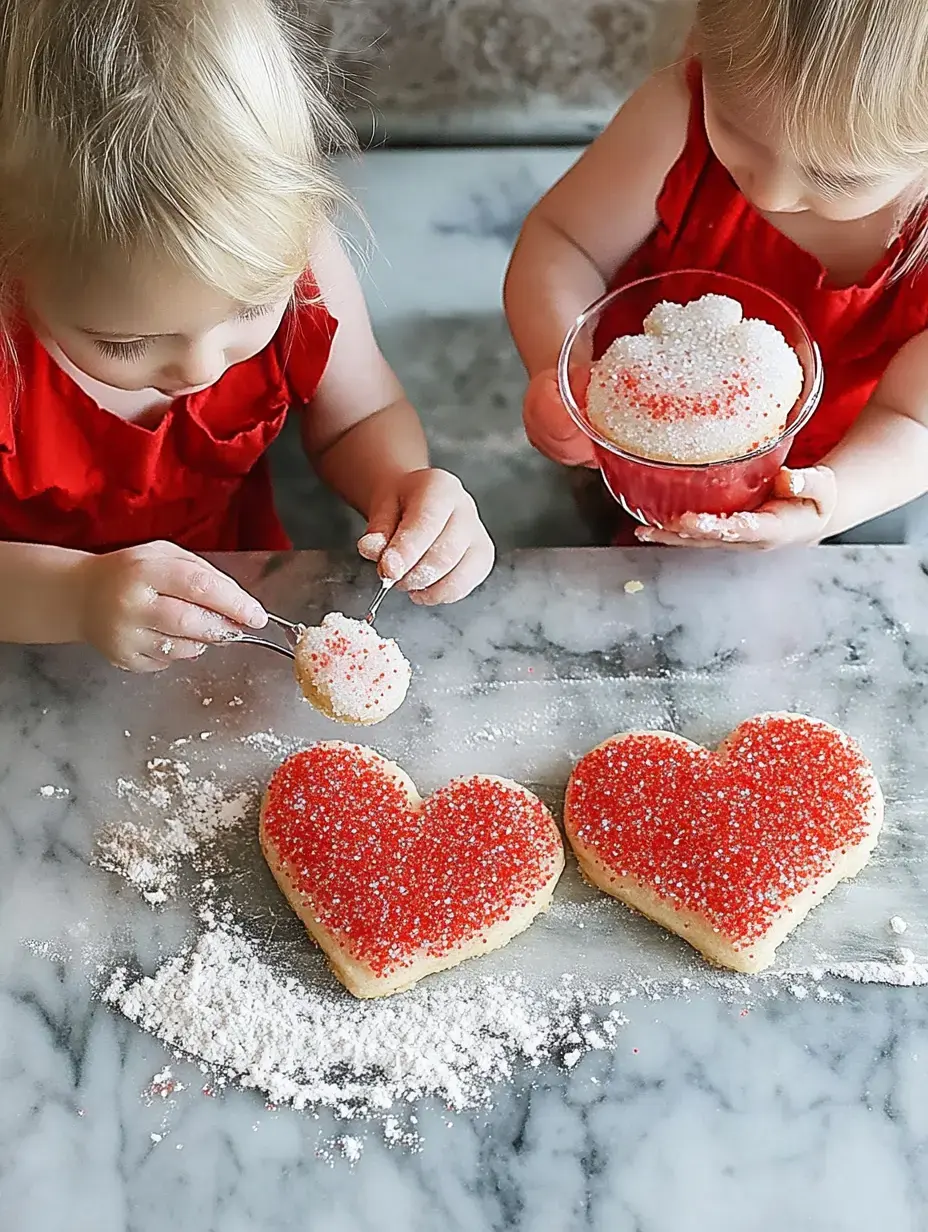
x=796 y=1114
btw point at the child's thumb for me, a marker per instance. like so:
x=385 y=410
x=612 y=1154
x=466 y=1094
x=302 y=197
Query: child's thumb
x=381 y=526
x=814 y=484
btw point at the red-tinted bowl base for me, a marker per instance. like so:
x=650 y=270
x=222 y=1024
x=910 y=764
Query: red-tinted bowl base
x=657 y=496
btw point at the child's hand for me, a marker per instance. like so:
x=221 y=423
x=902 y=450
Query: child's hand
x=145 y=607
x=797 y=513
x=548 y=426
x=425 y=530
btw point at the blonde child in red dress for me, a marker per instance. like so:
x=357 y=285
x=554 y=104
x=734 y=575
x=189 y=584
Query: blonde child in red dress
x=172 y=284
x=792 y=150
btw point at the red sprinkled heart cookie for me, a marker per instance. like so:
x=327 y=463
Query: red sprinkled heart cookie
x=392 y=887
x=729 y=849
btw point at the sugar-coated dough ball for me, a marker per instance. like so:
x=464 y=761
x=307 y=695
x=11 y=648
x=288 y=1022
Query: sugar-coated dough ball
x=349 y=672
x=701 y=384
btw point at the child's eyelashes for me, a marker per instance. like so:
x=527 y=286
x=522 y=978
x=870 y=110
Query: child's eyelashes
x=128 y=350
x=255 y=311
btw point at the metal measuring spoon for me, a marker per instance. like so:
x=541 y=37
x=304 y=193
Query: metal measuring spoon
x=293 y=632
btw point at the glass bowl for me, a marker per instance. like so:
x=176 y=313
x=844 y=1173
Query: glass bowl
x=658 y=492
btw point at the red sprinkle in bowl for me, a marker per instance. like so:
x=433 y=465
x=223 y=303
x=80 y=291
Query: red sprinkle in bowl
x=656 y=493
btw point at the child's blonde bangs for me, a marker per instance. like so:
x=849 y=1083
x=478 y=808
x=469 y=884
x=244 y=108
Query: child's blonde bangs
x=848 y=79
x=186 y=128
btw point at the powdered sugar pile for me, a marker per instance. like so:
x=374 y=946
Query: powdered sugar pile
x=701 y=384
x=349 y=671
x=312 y=1046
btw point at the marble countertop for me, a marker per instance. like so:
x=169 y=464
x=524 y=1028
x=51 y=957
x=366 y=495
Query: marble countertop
x=741 y=1113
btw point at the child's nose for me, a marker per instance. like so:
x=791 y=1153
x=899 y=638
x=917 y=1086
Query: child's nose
x=200 y=365
x=776 y=193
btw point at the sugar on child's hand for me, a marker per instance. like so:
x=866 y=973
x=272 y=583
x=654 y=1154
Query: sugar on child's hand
x=426 y=534
x=797 y=513
x=146 y=607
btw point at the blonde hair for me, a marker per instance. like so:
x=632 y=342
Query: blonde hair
x=849 y=78
x=189 y=128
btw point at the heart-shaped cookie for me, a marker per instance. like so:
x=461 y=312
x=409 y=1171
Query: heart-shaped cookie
x=392 y=887
x=729 y=849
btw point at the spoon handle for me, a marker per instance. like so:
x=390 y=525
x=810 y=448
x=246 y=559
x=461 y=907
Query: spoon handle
x=386 y=584
x=260 y=641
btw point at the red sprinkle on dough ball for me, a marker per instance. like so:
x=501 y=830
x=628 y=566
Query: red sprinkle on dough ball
x=360 y=676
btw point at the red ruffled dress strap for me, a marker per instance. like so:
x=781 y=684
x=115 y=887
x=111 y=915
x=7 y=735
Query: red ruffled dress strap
x=75 y=475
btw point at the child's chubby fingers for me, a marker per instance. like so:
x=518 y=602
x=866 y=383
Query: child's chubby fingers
x=778 y=523
x=143 y=665
x=372 y=543
x=473 y=568
x=423 y=531
x=427 y=501
x=460 y=559
x=549 y=427
x=381 y=524
x=164 y=649
x=446 y=552
x=744 y=529
x=755 y=531
x=815 y=484
x=666 y=538
x=211 y=594
x=147 y=650
x=125 y=584
x=182 y=623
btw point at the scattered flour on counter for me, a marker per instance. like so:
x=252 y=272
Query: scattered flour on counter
x=352 y=1148
x=309 y=1046
x=906 y=972
x=194 y=812
x=270 y=742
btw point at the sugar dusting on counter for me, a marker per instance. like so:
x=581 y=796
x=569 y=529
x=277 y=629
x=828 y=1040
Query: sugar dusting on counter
x=232 y=1000
x=315 y=1047
x=196 y=811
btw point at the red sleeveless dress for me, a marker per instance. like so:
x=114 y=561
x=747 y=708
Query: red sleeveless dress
x=706 y=223
x=77 y=476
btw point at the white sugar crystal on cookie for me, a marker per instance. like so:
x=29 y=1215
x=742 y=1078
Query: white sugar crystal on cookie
x=349 y=672
x=701 y=384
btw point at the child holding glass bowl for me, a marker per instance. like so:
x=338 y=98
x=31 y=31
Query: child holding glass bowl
x=790 y=151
